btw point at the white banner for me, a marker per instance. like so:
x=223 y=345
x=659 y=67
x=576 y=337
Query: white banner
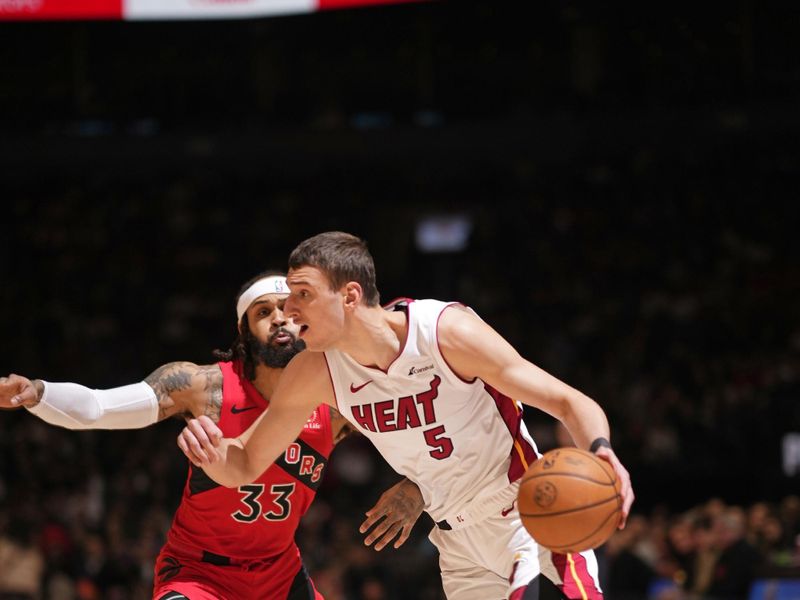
x=213 y=9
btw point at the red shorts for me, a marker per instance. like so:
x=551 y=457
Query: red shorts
x=213 y=577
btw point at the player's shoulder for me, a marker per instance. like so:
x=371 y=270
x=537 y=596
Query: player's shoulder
x=430 y=313
x=432 y=308
x=184 y=375
x=455 y=321
x=182 y=368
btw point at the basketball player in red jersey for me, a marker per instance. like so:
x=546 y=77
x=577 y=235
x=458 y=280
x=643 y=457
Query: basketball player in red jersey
x=226 y=543
x=439 y=393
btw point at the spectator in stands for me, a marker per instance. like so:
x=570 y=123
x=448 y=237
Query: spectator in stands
x=737 y=562
x=21 y=562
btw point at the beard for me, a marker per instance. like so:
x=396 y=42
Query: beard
x=274 y=355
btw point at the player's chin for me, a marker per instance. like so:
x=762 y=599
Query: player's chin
x=311 y=342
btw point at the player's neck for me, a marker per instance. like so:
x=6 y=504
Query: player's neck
x=376 y=336
x=266 y=380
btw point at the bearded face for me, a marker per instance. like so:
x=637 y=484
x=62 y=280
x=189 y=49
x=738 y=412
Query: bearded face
x=277 y=351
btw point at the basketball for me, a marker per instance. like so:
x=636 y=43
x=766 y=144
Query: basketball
x=569 y=500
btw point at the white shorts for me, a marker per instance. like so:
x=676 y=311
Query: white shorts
x=490 y=556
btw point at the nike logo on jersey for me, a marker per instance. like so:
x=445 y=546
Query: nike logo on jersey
x=505 y=511
x=236 y=410
x=168 y=570
x=354 y=388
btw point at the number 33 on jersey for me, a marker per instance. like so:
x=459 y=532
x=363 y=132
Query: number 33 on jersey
x=270 y=507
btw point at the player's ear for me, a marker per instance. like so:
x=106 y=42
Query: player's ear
x=352 y=294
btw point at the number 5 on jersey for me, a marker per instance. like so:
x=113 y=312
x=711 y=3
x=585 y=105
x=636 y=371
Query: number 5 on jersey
x=442 y=446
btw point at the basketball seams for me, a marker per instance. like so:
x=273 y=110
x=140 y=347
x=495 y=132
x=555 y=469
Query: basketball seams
x=606 y=466
x=567 y=548
x=571 y=510
x=559 y=480
x=565 y=474
x=613 y=479
x=608 y=469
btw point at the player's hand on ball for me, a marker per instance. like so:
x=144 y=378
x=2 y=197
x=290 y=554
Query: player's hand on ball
x=16 y=391
x=626 y=489
x=199 y=440
x=396 y=511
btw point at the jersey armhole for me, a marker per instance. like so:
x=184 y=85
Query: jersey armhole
x=439 y=348
x=335 y=396
x=327 y=425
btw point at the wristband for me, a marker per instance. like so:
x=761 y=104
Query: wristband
x=600 y=442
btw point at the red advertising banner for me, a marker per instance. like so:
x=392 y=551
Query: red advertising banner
x=15 y=10
x=60 y=9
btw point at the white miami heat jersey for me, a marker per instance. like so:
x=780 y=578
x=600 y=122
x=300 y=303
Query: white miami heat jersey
x=457 y=440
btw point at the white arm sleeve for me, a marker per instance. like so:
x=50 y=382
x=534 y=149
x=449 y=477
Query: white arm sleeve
x=77 y=407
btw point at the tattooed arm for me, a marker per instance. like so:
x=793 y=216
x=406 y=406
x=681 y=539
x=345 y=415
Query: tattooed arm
x=187 y=389
x=394 y=515
x=340 y=426
x=178 y=388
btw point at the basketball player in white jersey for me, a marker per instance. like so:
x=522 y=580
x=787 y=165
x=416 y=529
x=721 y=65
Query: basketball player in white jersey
x=431 y=385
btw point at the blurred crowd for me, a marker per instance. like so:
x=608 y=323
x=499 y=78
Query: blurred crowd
x=711 y=551
x=671 y=303
x=83 y=515
x=663 y=300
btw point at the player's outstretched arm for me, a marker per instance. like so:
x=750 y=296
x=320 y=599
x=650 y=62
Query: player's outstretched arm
x=172 y=389
x=303 y=386
x=395 y=513
x=473 y=349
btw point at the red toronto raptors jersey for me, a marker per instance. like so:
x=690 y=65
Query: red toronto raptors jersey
x=258 y=519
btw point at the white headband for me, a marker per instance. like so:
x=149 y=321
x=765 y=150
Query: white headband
x=274 y=284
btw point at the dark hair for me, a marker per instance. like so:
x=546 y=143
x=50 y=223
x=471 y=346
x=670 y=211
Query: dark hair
x=342 y=257
x=241 y=347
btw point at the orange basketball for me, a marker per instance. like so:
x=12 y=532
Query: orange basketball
x=569 y=500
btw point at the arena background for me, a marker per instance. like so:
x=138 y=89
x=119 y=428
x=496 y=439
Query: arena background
x=615 y=189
